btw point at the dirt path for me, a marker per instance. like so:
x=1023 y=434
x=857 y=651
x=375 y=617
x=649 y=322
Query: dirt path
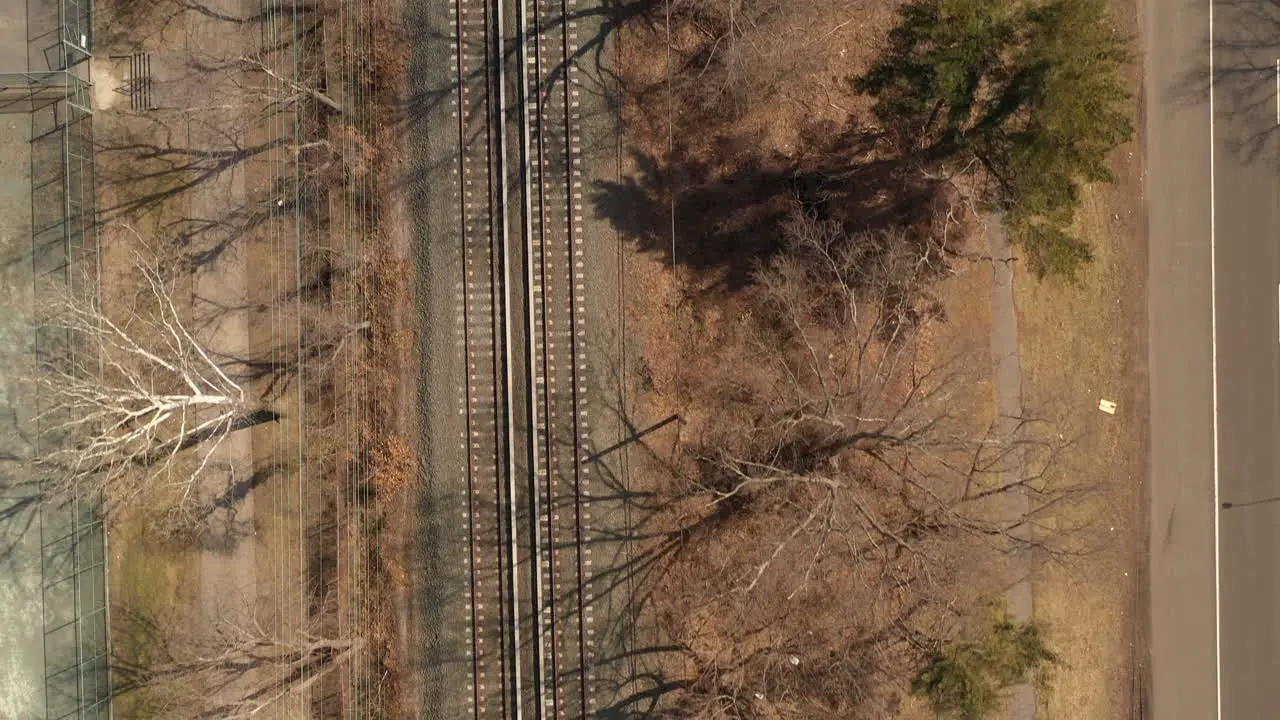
x=228 y=570
x=1008 y=390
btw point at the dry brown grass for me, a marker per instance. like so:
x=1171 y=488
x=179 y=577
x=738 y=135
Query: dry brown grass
x=351 y=153
x=1088 y=604
x=391 y=361
x=814 y=44
x=395 y=468
x=1095 y=609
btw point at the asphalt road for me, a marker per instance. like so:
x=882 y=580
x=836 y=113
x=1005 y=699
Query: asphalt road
x=1246 y=41
x=1214 y=197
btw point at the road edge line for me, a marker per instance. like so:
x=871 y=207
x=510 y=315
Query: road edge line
x=1213 y=331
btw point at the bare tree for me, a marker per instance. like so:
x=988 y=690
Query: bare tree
x=237 y=670
x=127 y=392
x=737 y=51
x=854 y=399
x=286 y=91
x=846 y=488
x=789 y=683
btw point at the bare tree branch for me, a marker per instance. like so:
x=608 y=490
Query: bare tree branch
x=126 y=392
x=238 y=670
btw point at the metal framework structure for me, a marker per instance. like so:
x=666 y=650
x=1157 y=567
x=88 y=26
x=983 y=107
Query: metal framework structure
x=54 y=91
x=77 y=682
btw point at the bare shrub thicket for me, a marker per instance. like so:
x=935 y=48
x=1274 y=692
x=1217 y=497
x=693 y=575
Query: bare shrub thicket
x=845 y=498
x=359 y=346
x=737 y=53
x=292 y=97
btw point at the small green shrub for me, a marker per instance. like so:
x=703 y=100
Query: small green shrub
x=967 y=679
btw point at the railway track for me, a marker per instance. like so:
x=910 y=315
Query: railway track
x=537 y=668
x=490 y=558
x=553 y=189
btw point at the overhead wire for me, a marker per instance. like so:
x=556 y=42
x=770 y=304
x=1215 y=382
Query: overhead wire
x=349 y=489
x=277 y=103
x=300 y=516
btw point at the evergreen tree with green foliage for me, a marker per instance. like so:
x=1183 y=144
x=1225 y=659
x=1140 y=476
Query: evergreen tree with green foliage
x=1029 y=89
x=967 y=679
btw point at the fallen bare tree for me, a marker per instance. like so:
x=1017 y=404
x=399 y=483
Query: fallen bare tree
x=127 y=393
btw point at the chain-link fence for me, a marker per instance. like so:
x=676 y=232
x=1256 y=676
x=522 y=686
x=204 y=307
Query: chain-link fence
x=62 y=180
x=53 y=90
x=75 y=611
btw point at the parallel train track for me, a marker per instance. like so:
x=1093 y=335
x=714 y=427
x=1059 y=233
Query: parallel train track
x=490 y=602
x=554 y=191
x=559 y=638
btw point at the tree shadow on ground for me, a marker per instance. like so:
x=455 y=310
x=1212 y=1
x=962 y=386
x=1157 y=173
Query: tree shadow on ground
x=318 y=338
x=428 y=93
x=206 y=240
x=218 y=525
x=424 y=118
x=631 y=674
x=1241 y=78
x=216 y=100
x=137 y=25
x=19 y=514
x=729 y=214
x=153 y=169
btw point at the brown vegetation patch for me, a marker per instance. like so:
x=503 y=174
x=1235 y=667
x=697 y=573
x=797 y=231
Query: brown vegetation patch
x=782 y=607
x=394 y=467
x=324 y=309
x=739 y=169
x=834 y=500
x=1095 y=607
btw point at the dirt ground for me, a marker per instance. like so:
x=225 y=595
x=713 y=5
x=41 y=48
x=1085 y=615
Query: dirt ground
x=250 y=551
x=1080 y=345
x=1077 y=343
x=275 y=252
